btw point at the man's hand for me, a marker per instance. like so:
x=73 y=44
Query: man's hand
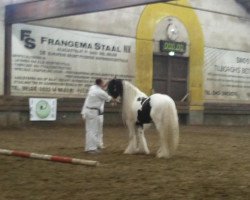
x=114 y=102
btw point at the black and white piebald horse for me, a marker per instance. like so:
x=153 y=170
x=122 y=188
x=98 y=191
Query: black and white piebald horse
x=138 y=110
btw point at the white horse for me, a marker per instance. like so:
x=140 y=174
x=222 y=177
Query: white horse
x=138 y=110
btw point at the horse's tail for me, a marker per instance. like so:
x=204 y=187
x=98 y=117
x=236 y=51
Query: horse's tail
x=171 y=123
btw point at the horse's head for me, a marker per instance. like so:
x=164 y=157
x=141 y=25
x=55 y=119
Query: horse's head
x=115 y=88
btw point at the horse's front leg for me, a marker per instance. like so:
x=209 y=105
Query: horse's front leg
x=132 y=143
x=142 y=143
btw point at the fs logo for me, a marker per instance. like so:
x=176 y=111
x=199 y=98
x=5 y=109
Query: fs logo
x=28 y=41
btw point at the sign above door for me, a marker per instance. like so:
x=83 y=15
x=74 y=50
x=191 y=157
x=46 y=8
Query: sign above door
x=170 y=46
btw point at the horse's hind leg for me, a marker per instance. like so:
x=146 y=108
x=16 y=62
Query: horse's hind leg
x=132 y=143
x=163 y=151
x=142 y=143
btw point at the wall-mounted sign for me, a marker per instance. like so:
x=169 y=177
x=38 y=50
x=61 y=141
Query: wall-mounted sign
x=56 y=62
x=227 y=76
x=42 y=109
x=170 y=46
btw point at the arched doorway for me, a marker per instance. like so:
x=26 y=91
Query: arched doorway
x=171 y=59
x=151 y=16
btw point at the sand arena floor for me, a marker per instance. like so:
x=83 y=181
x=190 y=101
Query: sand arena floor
x=211 y=163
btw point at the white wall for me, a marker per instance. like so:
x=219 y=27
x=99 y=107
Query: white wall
x=1 y=49
x=225 y=32
x=122 y=22
x=1 y=57
x=226 y=29
x=222 y=6
x=225 y=24
x=3 y=3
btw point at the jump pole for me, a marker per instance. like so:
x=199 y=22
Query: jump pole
x=61 y=159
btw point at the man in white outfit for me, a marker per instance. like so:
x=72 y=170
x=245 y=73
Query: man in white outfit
x=92 y=113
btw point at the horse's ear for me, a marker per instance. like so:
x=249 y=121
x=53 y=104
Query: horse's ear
x=115 y=77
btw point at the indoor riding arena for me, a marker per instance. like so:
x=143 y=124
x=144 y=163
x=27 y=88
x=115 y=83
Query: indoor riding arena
x=176 y=70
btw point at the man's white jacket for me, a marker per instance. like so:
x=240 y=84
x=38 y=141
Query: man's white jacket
x=94 y=103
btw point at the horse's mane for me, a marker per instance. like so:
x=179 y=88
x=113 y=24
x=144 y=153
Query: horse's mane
x=129 y=94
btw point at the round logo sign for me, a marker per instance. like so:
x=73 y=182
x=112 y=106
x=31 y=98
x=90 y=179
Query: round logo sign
x=43 y=109
x=172 y=32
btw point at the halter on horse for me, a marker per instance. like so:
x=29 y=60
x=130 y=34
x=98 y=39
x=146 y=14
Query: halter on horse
x=138 y=110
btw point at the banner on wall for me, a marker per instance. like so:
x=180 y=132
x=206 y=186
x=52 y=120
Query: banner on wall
x=64 y=63
x=227 y=75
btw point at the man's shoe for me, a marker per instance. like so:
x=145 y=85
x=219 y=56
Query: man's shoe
x=93 y=151
x=101 y=147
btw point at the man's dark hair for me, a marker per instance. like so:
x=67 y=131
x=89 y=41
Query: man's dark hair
x=98 y=81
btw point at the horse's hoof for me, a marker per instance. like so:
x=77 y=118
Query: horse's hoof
x=147 y=152
x=142 y=153
x=162 y=155
x=128 y=152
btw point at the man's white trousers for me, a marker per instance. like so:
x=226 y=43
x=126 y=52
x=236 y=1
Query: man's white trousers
x=94 y=133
